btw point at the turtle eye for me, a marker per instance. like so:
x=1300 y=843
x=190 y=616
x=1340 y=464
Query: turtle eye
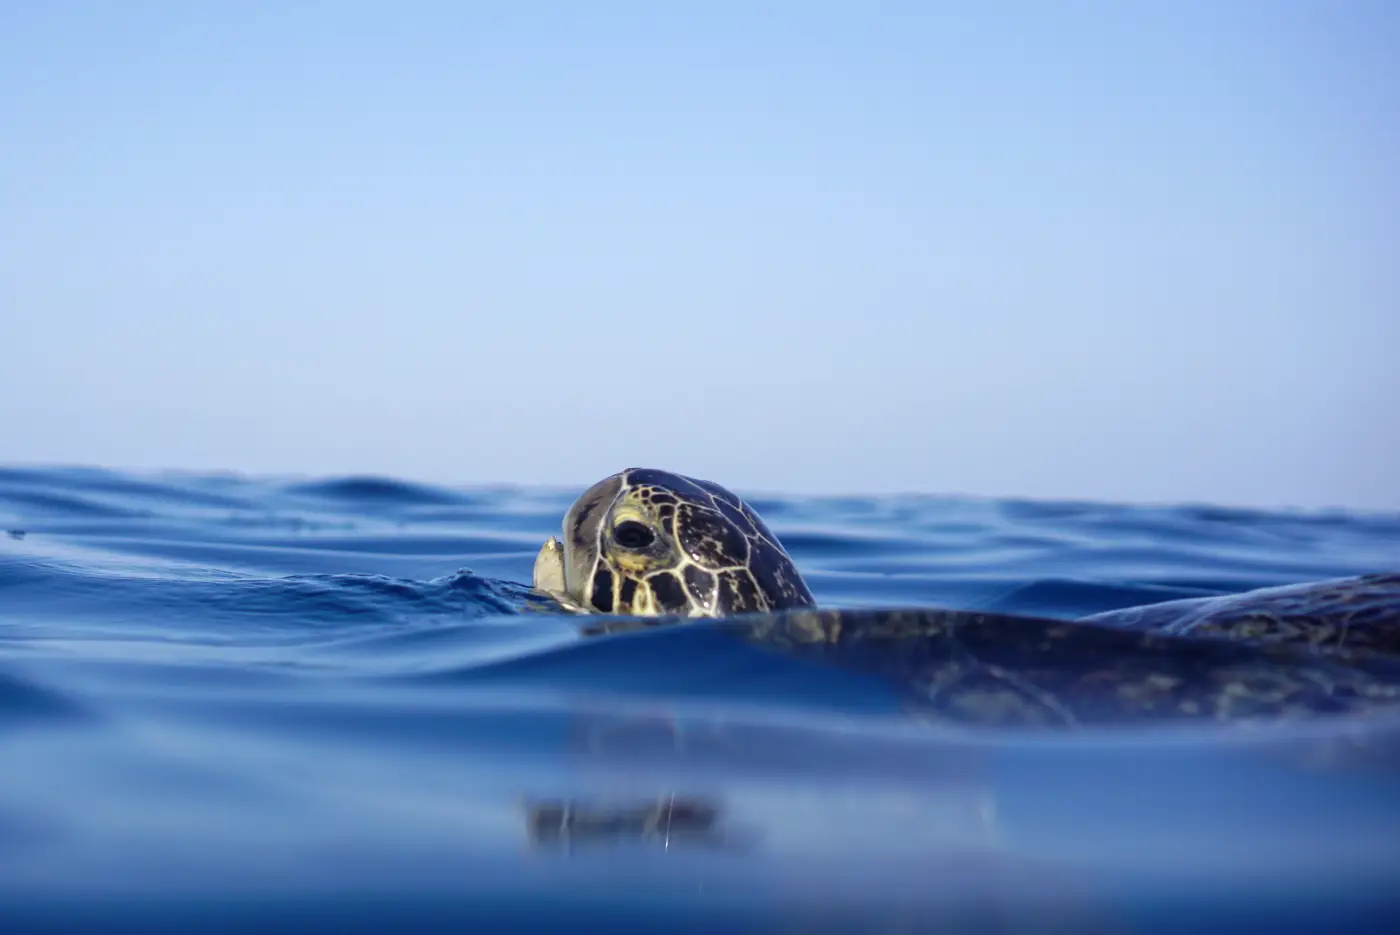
x=631 y=534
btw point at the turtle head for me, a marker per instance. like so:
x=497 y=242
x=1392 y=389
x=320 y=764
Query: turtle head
x=645 y=542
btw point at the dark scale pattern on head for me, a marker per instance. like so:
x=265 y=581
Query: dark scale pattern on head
x=735 y=516
x=708 y=539
x=701 y=585
x=639 y=477
x=629 y=592
x=582 y=530
x=758 y=523
x=719 y=493
x=775 y=578
x=589 y=509
x=669 y=592
x=602 y=596
x=738 y=593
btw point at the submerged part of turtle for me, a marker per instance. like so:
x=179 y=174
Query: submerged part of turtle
x=654 y=545
x=1001 y=670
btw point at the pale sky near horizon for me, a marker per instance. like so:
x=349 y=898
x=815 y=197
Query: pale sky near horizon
x=1140 y=251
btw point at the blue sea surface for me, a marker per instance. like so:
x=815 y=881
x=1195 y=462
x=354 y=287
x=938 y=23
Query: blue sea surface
x=268 y=704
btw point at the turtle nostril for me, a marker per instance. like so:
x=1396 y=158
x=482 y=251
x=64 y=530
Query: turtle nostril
x=631 y=534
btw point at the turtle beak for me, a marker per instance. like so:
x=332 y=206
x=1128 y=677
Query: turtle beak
x=549 y=568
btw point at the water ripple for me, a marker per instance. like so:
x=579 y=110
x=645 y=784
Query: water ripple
x=224 y=691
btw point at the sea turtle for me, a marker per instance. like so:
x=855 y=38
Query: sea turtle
x=659 y=548
x=648 y=542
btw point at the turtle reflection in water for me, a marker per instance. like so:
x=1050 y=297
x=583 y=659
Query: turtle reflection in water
x=666 y=821
x=660 y=549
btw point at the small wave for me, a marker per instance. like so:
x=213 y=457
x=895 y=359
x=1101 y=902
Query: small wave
x=369 y=491
x=1070 y=598
x=30 y=504
x=75 y=596
x=25 y=702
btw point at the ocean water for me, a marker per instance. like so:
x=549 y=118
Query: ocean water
x=268 y=704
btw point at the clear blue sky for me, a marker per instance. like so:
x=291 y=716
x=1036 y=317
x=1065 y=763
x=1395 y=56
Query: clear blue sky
x=1114 y=250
